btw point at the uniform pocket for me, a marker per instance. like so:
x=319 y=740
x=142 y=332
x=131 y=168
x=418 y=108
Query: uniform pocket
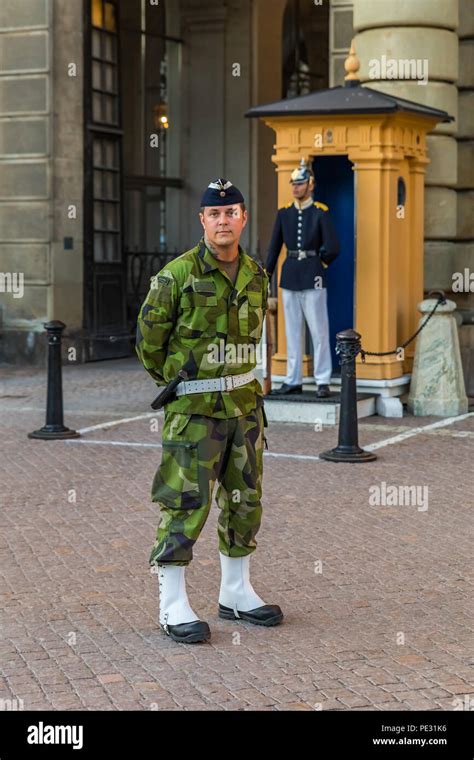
x=176 y=482
x=198 y=313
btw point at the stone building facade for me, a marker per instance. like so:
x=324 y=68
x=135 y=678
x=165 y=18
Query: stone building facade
x=115 y=113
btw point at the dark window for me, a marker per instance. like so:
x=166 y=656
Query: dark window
x=103 y=117
x=151 y=101
x=106 y=163
x=305 y=48
x=104 y=262
x=401 y=192
x=105 y=100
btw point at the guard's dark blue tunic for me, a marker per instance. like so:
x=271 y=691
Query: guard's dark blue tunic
x=302 y=229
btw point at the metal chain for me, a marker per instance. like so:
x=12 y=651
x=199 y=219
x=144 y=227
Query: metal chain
x=363 y=353
x=441 y=300
x=349 y=353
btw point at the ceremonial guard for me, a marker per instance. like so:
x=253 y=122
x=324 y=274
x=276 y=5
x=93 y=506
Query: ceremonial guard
x=201 y=323
x=306 y=230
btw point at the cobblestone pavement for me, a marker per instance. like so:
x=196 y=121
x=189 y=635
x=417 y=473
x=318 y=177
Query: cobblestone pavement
x=376 y=598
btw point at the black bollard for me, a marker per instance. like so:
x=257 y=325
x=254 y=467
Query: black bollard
x=348 y=449
x=54 y=427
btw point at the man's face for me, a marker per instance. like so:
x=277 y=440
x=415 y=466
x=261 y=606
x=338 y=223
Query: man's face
x=223 y=225
x=301 y=192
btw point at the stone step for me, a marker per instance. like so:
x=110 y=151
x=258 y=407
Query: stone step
x=305 y=407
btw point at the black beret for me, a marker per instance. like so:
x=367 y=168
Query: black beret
x=221 y=192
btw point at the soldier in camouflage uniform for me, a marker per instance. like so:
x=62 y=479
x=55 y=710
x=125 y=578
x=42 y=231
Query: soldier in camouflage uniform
x=204 y=314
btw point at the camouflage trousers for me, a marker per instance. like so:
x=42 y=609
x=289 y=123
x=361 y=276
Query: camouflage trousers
x=198 y=451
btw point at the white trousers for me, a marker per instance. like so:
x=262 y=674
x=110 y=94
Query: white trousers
x=312 y=304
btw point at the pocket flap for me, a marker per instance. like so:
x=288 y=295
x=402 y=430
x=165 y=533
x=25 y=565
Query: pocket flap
x=255 y=297
x=204 y=286
x=193 y=299
x=177 y=425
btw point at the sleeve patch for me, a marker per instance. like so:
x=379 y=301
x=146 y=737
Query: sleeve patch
x=161 y=282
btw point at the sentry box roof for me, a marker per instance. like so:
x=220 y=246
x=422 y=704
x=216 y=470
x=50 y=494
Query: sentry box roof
x=349 y=99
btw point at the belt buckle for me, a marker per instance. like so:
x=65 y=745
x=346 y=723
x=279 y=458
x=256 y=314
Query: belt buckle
x=301 y=255
x=228 y=386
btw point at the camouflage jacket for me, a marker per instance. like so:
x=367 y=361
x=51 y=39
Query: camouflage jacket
x=194 y=318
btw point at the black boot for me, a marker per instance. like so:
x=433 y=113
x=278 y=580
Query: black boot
x=287 y=389
x=188 y=633
x=323 y=391
x=269 y=614
x=236 y=591
x=177 y=619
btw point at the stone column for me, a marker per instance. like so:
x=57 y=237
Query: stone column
x=25 y=170
x=266 y=85
x=66 y=288
x=215 y=95
x=41 y=158
x=419 y=31
x=463 y=247
x=203 y=96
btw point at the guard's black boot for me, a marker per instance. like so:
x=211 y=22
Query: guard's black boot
x=177 y=619
x=323 y=391
x=188 y=633
x=287 y=389
x=237 y=598
x=269 y=614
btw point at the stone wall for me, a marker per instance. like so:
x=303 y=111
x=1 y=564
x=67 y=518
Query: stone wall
x=41 y=128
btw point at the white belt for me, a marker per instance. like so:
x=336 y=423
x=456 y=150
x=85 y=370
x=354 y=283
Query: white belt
x=225 y=383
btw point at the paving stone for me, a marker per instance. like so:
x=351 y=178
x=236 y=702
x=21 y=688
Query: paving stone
x=79 y=620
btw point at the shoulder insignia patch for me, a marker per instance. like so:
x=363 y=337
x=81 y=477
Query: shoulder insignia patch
x=163 y=280
x=161 y=285
x=322 y=206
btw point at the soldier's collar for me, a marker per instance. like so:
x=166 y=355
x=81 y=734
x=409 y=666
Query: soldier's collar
x=302 y=206
x=207 y=259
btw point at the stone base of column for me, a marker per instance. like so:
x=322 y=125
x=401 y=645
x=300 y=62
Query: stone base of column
x=437 y=386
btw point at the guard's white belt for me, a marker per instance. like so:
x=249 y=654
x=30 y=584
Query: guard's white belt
x=225 y=383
